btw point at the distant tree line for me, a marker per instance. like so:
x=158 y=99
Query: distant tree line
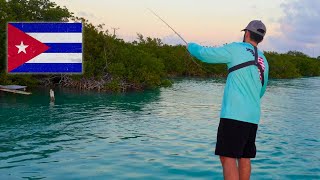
x=293 y=64
x=111 y=64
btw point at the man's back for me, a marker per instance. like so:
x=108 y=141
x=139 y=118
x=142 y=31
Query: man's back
x=243 y=89
x=246 y=84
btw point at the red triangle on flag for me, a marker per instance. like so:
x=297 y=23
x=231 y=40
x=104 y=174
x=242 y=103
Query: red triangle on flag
x=29 y=47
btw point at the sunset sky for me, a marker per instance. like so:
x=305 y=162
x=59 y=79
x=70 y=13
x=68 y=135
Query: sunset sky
x=291 y=24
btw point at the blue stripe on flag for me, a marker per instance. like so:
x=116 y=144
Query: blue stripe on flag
x=49 y=68
x=64 y=48
x=49 y=27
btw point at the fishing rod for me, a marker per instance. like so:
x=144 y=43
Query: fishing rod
x=169 y=26
x=179 y=37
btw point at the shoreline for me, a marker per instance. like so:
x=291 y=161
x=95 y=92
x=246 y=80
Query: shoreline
x=81 y=87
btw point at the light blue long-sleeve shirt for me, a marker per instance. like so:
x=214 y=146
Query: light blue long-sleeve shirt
x=243 y=90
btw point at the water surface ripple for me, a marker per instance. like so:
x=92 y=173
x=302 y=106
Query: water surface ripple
x=168 y=133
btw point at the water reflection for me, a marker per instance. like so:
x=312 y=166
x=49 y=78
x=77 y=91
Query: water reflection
x=133 y=101
x=32 y=127
x=161 y=133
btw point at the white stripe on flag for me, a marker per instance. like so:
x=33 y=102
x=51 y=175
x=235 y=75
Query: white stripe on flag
x=57 y=37
x=57 y=58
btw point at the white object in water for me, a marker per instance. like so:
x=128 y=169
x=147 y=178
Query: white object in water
x=14 y=89
x=51 y=95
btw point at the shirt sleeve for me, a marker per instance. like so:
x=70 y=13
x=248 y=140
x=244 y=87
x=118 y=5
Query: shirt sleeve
x=210 y=54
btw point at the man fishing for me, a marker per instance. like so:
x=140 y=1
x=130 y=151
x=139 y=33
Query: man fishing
x=240 y=113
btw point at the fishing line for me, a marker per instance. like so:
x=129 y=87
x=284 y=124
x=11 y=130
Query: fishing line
x=169 y=26
x=179 y=37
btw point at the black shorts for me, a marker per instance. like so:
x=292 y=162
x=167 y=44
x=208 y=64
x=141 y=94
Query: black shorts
x=236 y=139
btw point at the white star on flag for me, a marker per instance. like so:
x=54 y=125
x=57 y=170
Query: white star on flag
x=22 y=48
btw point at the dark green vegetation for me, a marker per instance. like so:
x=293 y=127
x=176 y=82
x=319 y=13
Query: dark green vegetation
x=114 y=65
x=292 y=65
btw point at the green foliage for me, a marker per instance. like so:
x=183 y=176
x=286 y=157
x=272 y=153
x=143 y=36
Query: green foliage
x=5 y=79
x=76 y=77
x=117 y=70
x=292 y=66
x=27 y=80
x=113 y=86
x=280 y=68
x=297 y=54
x=166 y=83
x=142 y=64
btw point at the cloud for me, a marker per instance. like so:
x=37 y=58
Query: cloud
x=299 y=27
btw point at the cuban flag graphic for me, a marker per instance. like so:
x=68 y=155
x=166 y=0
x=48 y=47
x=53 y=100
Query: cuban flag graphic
x=44 y=48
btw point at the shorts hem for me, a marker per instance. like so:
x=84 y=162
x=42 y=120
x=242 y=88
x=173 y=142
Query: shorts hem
x=226 y=155
x=234 y=156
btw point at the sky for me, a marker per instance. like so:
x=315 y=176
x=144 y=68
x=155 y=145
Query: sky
x=291 y=24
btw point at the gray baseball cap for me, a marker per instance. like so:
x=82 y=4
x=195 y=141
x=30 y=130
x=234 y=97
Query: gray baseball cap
x=256 y=26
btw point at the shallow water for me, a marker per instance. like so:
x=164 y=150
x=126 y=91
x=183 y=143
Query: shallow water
x=168 y=133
